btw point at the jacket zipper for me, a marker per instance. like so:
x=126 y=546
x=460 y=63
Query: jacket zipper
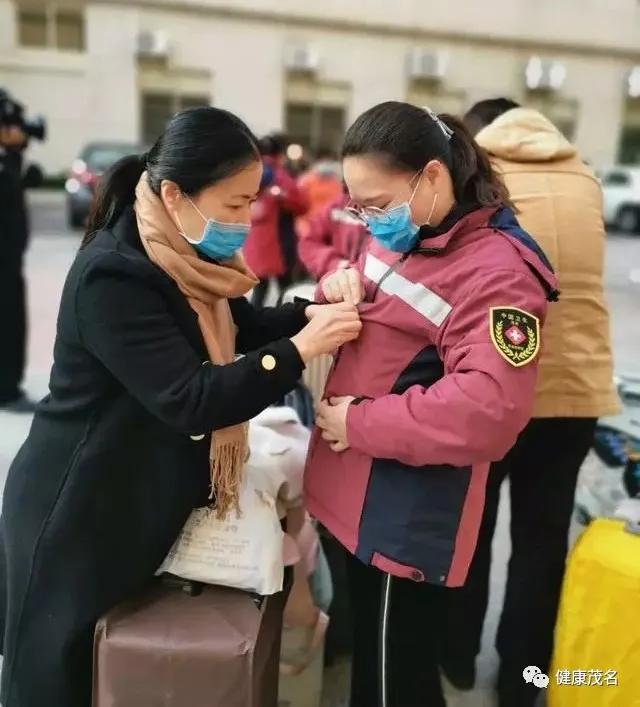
x=390 y=271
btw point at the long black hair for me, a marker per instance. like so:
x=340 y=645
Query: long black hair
x=405 y=138
x=199 y=147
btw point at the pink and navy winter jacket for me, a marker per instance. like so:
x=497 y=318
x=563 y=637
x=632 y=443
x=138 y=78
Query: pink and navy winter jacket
x=435 y=400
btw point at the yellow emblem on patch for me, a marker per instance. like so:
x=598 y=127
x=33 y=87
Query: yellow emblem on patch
x=515 y=334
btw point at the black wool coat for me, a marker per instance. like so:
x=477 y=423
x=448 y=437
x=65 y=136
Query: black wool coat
x=117 y=456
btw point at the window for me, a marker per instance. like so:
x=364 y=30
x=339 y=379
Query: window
x=299 y=119
x=616 y=179
x=32 y=28
x=629 y=149
x=437 y=98
x=69 y=30
x=159 y=108
x=629 y=138
x=186 y=102
x=315 y=126
x=561 y=111
x=51 y=26
x=567 y=128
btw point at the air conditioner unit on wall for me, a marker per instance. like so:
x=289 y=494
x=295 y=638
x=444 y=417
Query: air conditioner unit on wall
x=427 y=64
x=301 y=59
x=545 y=74
x=633 y=82
x=152 y=45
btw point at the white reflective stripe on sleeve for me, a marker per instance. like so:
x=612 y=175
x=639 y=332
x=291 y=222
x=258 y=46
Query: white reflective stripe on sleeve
x=426 y=302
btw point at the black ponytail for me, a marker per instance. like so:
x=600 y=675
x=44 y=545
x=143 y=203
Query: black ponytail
x=199 y=147
x=406 y=137
x=474 y=179
x=116 y=190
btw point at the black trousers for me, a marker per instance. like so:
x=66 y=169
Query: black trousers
x=14 y=327
x=543 y=467
x=397 y=629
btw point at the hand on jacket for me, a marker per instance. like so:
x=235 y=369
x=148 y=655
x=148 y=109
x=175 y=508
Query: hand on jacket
x=343 y=286
x=330 y=326
x=331 y=418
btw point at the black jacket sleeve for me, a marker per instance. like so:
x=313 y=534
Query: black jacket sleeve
x=126 y=324
x=257 y=327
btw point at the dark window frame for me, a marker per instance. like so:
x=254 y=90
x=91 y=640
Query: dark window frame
x=152 y=127
x=53 y=15
x=321 y=133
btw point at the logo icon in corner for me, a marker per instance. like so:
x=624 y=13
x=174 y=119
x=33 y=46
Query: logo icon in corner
x=533 y=674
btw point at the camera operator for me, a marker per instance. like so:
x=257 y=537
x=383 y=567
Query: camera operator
x=14 y=232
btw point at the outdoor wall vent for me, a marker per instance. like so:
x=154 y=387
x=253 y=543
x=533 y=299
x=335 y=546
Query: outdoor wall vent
x=152 y=45
x=427 y=65
x=301 y=59
x=545 y=74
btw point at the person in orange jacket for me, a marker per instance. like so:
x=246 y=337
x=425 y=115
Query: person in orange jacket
x=270 y=250
x=322 y=184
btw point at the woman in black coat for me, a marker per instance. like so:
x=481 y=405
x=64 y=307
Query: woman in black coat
x=118 y=454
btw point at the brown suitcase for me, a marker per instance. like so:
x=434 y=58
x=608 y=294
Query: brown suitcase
x=189 y=645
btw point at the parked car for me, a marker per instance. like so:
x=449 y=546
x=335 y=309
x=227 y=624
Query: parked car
x=93 y=161
x=621 y=192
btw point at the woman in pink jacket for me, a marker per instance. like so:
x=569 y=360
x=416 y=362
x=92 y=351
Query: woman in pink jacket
x=270 y=250
x=332 y=239
x=452 y=294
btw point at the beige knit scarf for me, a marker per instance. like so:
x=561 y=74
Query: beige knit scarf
x=207 y=286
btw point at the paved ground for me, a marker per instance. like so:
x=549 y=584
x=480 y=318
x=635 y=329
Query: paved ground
x=51 y=253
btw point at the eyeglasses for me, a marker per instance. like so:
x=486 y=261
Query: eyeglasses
x=364 y=213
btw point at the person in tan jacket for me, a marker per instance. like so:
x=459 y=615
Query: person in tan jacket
x=559 y=202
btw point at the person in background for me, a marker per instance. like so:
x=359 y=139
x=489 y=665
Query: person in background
x=322 y=184
x=148 y=406
x=559 y=203
x=452 y=295
x=271 y=248
x=14 y=233
x=333 y=238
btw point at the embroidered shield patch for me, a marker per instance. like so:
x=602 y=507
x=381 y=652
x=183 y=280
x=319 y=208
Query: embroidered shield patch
x=515 y=334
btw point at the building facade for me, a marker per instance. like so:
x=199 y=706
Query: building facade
x=103 y=70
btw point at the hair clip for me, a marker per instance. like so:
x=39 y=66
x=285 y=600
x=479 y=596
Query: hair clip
x=446 y=130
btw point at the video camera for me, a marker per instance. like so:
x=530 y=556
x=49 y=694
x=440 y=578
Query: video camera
x=12 y=114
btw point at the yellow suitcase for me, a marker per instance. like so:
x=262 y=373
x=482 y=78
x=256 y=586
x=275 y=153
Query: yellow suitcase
x=596 y=660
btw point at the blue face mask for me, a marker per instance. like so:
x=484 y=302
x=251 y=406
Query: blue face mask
x=219 y=241
x=394 y=228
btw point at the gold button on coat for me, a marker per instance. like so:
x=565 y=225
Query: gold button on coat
x=268 y=362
